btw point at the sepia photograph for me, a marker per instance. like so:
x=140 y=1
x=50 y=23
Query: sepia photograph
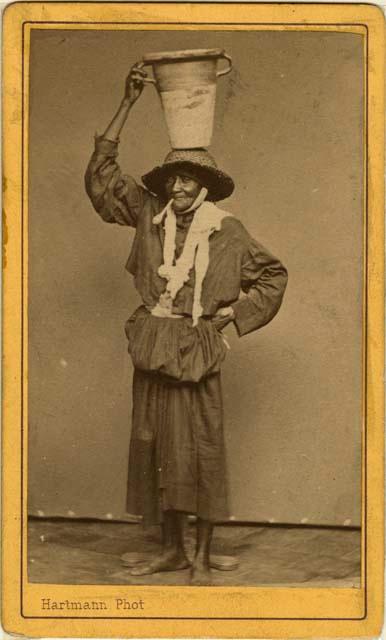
x=223 y=168
x=195 y=293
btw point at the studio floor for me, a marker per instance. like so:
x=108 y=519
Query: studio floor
x=88 y=552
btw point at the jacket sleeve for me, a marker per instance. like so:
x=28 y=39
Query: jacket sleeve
x=263 y=280
x=115 y=197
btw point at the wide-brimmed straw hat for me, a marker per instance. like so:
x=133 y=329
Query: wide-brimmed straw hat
x=197 y=162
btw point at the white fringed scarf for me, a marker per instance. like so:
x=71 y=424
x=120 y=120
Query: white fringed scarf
x=207 y=218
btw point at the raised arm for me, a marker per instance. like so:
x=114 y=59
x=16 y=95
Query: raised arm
x=133 y=88
x=116 y=197
x=263 y=280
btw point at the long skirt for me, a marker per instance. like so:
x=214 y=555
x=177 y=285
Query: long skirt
x=177 y=456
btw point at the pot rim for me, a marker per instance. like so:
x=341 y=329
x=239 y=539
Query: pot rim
x=182 y=55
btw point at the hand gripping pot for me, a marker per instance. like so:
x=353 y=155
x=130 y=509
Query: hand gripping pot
x=186 y=82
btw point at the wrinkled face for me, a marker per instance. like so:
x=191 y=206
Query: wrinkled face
x=183 y=188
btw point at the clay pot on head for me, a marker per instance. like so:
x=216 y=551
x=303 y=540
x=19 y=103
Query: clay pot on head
x=186 y=83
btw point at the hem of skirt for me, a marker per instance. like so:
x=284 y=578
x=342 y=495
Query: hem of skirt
x=157 y=518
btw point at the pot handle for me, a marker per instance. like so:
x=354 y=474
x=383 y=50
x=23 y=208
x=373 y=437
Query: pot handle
x=145 y=80
x=223 y=72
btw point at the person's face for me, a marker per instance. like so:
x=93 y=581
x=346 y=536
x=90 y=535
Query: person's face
x=183 y=189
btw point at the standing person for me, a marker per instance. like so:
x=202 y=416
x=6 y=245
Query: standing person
x=190 y=261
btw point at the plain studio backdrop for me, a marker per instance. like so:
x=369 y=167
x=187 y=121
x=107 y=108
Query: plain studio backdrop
x=288 y=128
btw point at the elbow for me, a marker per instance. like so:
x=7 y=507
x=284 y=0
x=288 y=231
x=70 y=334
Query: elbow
x=89 y=179
x=90 y=190
x=284 y=279
x=96 y=197
x=87 y=182
x=278 y=288
x=277 y=278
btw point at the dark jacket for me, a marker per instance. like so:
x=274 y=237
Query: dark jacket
x=237 y=264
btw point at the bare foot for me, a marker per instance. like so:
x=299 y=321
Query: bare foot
x=167 y=561
x=200 y=576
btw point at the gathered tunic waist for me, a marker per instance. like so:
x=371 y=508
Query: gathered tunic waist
x=173 y=347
